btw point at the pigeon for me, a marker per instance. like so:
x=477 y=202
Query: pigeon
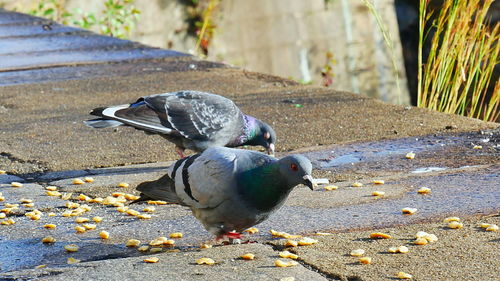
x=229 y=190
x=190 y=119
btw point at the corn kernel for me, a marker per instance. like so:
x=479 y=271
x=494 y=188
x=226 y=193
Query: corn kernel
x=132 y=212
x=169 y=242
x=484 y=225
x=72 y=205
x=323 y=233
x=409 y=211
x=2 y=198
x=365 y=260
x=88 y=179
x=72 y=261
x=51 y=188
x=205 y=246
x=176 y=235
x=291 y=243
x=97 y=219
x=29 y=205
x=149 y=209
x=16 y=184
x=71 y=248
x=403 y=275
x=306 y=241
x=394 y=249
x=104 y=234
x=356 y=184
x=403 y=249
x=477 y=147
x=80 y=229
x=157 y=202
x=143 y=248
x=288 y=255
x=35 y=217
x=431 y=238
x=6 y=210
x=380 y=235
x=280 y=263
x=283 y=234
x=122 y=209
x=248 y=256
x=331 y=187
x=492 y=227
x=48 y=239
x=81 y=220
x=2 y=172
x=357 y=252
x=144 y=216
x=123 y=185
x=8 y=222
x=133 y=243
x=53 y=193
x=9 y=205
x=424 y=190
x=51 y=214
x=3 y=215
x=151 y=260
x=118 y=194
x=158 y=241
x=40 y=266
x=378 y=193
x=49 y=226
x=66 y=195
x=378 y=181
x=25 y=200
x=131 y=197
x=410 y=155
x=155 y=250
x=77 y=182
x=420 y=241
x=455 y=225
x=96 y=200
x=89 y=226
x=207 y=261
x=450 y=219
x=83 y=197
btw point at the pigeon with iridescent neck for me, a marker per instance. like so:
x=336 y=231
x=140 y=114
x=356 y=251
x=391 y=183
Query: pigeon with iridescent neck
x=229 y=190
x=190 y=119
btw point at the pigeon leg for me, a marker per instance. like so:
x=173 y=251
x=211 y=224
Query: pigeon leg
x=180 y=151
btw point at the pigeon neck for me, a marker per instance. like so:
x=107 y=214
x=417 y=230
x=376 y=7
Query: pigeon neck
x=249 y=132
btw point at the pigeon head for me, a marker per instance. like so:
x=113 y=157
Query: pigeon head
x=296 y=169
x=263 y=135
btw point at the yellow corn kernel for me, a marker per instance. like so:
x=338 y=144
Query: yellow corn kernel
x=122 y=209
x=66 y=195
x=450 y=219
x=2 y=198
x=205 y=246
x=306 y=241
x=291 y=243
x=431 y=238
x=420 y=241
x=149 y=209
x=67 y=213
x=83 y=197
x=158 y=241
x=176 y=235
x=143 y=248
x=151 y=260
x=88 y=179
x=280 y=263
x=403 y=249
x=72 y=261
x=6 y=210
x=29 y=205
x=157 y=202
x=169 y=242
x=365 y=260
x=104 y=234
x=484 y=225
x=48 y=239
x=331 y=187
x=410 y=155
x=409 y=211
x=16 y=184
x=492 y=227
x=207 y=261
x=81 y=220
x=123 y=185
x=8 y=222
x=403 y=275
x=283 y=234
x=118 y=194
x=144 y=216
x=155 y=250
x=132 y=212
x=35 y=217
x=40 y=266
x=378 y=193
x=477 y=147
x=356 y=184
x=378 y=181
x=9 y=205
x=89 y=226
x=380 y=235
x=110 y=200
x=424 y=190
x=72 y=205
x=25 y=200
x=2 y=172
x=51 y=214
x=357 y=252
x=96 y=200
x=49 y=226
x=133 y=243
x=393 y=249
x=455 y=225
x=71 y=248
x=248 y=256
x=53 y=193
x=288 y=255
x=97 y=219
x=131 y=197
x=51 y=188
x=323 y=233
x=3 y=215
x=80 y=229
x=77 y=182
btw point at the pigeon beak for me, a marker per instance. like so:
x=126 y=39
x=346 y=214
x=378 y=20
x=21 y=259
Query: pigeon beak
x=270 y=149
x=308 y=180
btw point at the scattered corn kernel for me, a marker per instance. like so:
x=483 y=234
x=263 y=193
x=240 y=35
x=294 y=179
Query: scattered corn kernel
x=40 y=266
x=66 y=195
x=251 y=230
x=157 y=202
x=83 y=197
x=53 y=193
x=104 y=234
x=207 y=261
x=420 y=241
x=133 y=243
x=450 y=219
x=67 y=213
x=492 y=227
x=88 y=179
x=77 y=182
x=96 y=200
x=288 y=255
x=72 y=205
x=430 y=238
x=144 y=216
x=132 y=212
x=280 y=263
x=424 y=190
x=24 y=200
x=149 y=209
x=2 y=172
x=2 y=198
x=205 y=246
x=306 y=241
x=455 y=225
x=156 y=250
x=3 y=215
x=71 y=248
x=118 y=194
x=89 y=226
x=16 y=184
x=323 y=233
x=97 y=219
x=484 y=225
x=378 y=193
x=357 y=252
x=410 y=155
x=394 y=249
x=477 y=147
x=291 y=243
x=403 y=275
x=380 y=235
x=378 y=181
x=176 y=235
x=169 y=242
x=80 y=229
x=331 y=187
x=49 y=226
x=420 y=234
x=8 y=222
x=403 y=249
x=29 y=205
x=35 y=217
x=123 y=185
x=131 y=197
x=152 y=260
x=158 y=241
x=143 y=248
x=356 y=184
x=51 y=188
x=81 y=220
x=248 y=256
x=409 y=211
x=6 y=210
x=48 y=239
x=122 y=209
x=365 y=260
x=72 y=261
x=283 y=234
x=9 y=205
x=51 y=214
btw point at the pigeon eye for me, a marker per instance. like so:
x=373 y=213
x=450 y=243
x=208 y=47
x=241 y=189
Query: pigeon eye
x=267 y=135
x=294 y=167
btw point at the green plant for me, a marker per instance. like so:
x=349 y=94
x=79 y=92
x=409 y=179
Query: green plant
x=327 y=71
x=201 y=24
x=456 y=76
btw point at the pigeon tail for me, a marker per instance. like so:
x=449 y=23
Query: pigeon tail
x=102 y=123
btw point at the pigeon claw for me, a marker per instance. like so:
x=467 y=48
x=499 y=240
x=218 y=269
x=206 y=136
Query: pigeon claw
x=229 y=235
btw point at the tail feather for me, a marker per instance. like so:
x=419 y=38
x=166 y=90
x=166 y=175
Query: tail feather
x=161 y=189
x=102 y=123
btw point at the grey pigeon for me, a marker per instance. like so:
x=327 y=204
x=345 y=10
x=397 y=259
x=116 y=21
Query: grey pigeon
x=229 y=190
x=190 y=119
